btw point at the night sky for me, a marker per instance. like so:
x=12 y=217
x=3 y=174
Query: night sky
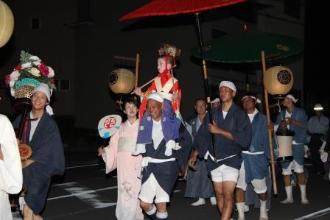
x=316 y=86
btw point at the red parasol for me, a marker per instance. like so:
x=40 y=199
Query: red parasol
x=174 y=7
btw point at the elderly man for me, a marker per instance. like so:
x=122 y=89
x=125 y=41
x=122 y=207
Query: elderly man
x=232 y=131
x=295 y=119
x=165 y=145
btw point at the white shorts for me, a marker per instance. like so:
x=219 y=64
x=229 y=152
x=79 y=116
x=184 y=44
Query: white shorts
x=296 y=167
x=224 y=173
x=259 y=185
x=151 y=190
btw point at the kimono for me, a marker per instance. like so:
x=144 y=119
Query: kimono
x=300 y=134
x=118 y=155
x=199 y=184
x=223 y=150
x=48 y=157
x=11 y=179
x=166 y=85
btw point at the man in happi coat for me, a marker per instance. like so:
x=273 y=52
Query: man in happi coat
x=232 y=132
x=164 y=144
x=295 y=119
x=47 y=158
x=199 y=184
x=254 y=169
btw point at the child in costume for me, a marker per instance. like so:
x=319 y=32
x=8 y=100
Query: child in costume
x=165 y=83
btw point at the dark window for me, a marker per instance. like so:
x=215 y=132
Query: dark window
x=65 y=85
x=292 y=8
x=35 y=23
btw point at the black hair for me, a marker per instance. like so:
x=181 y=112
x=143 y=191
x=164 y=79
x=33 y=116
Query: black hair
x=200 y=99
x=132 y=99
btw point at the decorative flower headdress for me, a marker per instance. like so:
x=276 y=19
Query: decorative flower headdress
x=169 y=50
x=28 y=75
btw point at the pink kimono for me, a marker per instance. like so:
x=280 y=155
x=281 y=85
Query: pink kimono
x=119 y=155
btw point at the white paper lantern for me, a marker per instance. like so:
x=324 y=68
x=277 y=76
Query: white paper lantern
x=6 y=23
x=121 y=81
x=278 y=80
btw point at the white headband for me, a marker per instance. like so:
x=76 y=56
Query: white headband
x=156 y=96
x=44 y=89
x=252 y=97
x=289 y=96
x=228 y=84
x=215 y=100
x=318 y=107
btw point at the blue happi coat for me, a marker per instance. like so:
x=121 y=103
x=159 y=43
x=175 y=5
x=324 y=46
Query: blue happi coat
x=256 y=165
x=199 y=184
x=166 y=173
x=225 y=151
x=48 y=154
x=300 y=133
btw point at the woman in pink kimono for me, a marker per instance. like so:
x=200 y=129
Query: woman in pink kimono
x=118 y=155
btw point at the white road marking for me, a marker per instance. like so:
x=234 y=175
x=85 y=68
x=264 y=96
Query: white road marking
x=315 y=214
x=85 y=165
x=80 y=192
x=85 y=194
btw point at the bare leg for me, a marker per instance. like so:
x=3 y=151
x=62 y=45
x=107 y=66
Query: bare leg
x=27 y=213
x=147 y=208
x=239 y=193
x=37 y=217
x=228 y=189
x=161 y=207
x=263 y=196
x=218 y=194
x=287 y=180
x=161 y=210
x=301 y=178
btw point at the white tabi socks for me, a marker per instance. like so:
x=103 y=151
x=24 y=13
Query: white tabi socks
x=152 y=210
x=240 y=210
x=200 y=201
x=162 y=215
x=289 y=198
x=304 y=199
x=263 y=210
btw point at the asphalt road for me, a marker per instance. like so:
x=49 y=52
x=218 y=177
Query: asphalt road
x=85 y=192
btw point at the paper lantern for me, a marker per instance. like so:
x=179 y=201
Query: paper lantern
x=6 y=23
x=278 y=80
x=121 y=81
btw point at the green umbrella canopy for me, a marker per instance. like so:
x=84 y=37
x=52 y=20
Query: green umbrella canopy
x=247 y=46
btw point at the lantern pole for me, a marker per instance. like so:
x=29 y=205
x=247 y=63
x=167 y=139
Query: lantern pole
x=270 y=132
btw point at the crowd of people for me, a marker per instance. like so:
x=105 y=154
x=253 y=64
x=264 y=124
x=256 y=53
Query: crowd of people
x=222 y=152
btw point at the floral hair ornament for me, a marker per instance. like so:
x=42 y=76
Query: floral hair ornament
x=169 y=50
x=28 y=75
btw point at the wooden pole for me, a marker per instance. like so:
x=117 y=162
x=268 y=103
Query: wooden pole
x=271 y=149
x=137 y=67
